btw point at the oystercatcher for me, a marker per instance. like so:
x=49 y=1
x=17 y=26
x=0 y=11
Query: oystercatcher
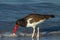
x=31 y=20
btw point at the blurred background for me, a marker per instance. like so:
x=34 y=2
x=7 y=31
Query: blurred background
x=26 y=1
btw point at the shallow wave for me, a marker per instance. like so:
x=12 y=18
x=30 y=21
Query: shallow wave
x=6 y=34
x=20 y=34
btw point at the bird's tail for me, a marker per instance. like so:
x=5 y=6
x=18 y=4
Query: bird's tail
x=49 y=16
x=52 y=16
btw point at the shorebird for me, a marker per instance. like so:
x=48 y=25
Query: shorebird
x=31 y=20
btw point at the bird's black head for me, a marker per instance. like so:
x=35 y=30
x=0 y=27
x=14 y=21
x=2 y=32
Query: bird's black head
x=19 y=22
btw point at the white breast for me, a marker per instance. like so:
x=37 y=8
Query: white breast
x=34 y=23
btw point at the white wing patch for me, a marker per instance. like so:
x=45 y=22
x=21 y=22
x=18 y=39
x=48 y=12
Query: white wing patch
x=34 y=23
x=28 y=21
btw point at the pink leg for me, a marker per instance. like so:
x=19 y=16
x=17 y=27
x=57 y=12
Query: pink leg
x=33 y=32
x=37 y=33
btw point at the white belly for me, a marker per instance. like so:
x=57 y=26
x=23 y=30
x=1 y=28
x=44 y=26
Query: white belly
x=34 y=24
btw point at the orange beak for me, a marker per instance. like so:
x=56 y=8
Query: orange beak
x=15 y=28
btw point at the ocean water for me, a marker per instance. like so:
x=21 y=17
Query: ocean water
x=9 y=13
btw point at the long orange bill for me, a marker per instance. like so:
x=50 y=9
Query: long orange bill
x=15 y=28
